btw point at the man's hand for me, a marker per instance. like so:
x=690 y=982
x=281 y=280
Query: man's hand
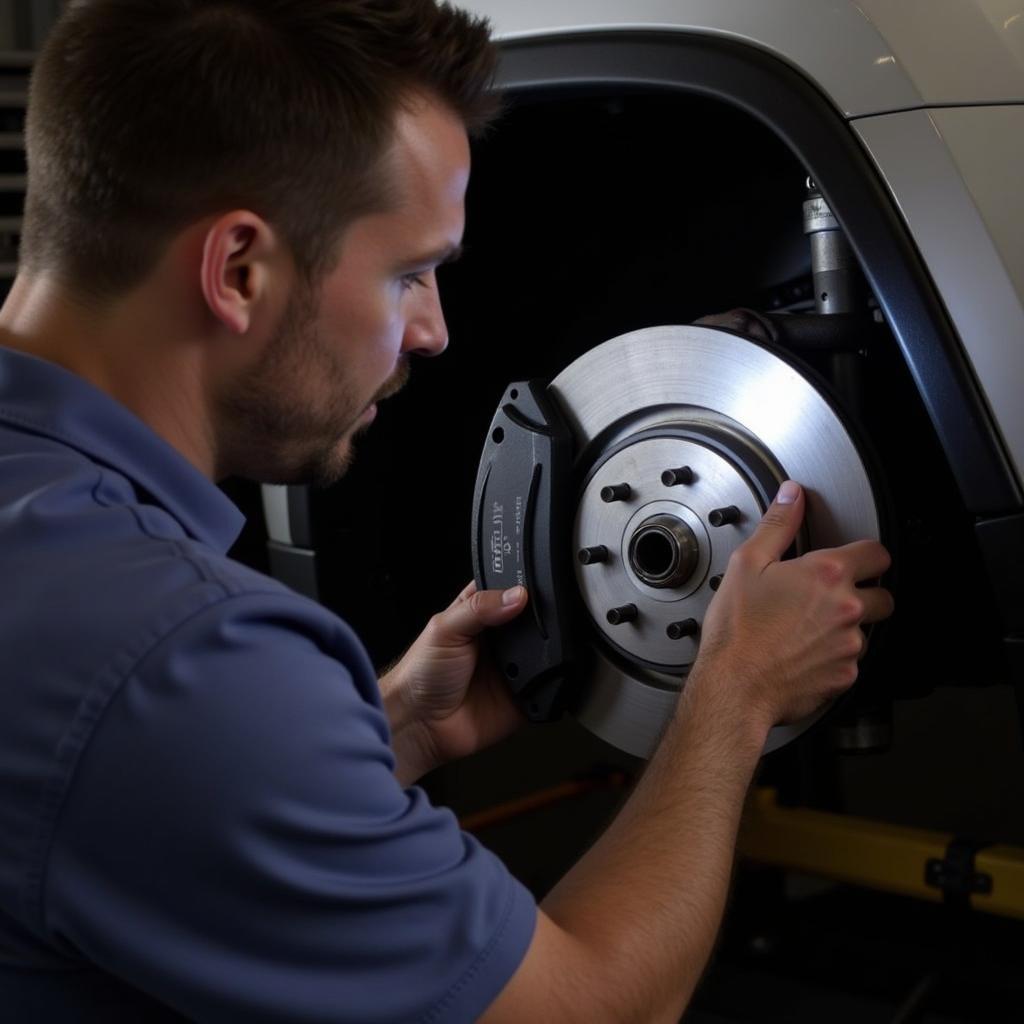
x=445 y=699
x=626 y=934
x=785 y=636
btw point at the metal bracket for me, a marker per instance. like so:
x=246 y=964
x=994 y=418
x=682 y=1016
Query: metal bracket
x=955 y=874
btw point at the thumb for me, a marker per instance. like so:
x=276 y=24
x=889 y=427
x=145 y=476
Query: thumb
x=779 y=525
x=469 y=615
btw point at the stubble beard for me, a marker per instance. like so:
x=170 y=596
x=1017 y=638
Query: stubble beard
x=276 y=433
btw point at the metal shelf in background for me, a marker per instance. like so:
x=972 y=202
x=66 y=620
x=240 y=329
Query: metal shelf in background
x=17 y=59
x=30 y=21
x=15 y=66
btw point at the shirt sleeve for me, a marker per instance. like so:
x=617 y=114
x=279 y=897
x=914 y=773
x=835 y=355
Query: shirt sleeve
x=234 y=841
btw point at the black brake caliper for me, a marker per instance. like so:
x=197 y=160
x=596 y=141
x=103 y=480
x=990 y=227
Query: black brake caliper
x=521 y=534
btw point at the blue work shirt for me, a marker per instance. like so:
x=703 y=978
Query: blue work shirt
x=198 y=809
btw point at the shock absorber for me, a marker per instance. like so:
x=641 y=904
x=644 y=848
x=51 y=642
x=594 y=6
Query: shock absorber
x=837 y=282
x=839 y=288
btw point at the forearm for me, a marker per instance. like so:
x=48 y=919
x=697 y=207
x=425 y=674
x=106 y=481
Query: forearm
x=644 y=904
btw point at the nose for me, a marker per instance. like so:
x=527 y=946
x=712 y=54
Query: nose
x=426 y=333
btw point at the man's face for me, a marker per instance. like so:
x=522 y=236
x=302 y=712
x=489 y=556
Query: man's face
x=343 y=344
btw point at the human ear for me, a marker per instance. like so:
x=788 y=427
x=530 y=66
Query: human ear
x=237 y=252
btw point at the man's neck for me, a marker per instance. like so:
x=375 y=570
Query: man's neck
x=131 y=349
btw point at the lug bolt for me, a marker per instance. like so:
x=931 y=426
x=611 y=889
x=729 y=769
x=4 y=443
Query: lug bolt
x=674 y=477
x=626 y=613
x=616 y=492
x=715 y=582
x=724 y=516
x=677 y=630
x=591 y=556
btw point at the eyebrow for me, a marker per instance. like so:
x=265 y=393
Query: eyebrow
x=437 y=258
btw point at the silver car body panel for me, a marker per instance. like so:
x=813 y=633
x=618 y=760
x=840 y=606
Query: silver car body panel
x=869 y=57
x=955 y=51
x=956 y=175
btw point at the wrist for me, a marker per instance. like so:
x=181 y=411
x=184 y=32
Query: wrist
x=414 y=752
x=712 y=704
x=411 y=740
x=394 y=694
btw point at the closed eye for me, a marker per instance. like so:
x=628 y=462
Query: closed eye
x=410 y=281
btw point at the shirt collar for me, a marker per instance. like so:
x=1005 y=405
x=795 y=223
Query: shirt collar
x=41 y=397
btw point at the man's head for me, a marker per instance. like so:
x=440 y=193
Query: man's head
x=343 y=344
x=253 y=196
x=147 y=115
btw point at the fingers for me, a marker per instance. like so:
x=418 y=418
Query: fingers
x=778 y=527
x=878 y=604
x=474 y=610
x=866 y=559
x=848 y=568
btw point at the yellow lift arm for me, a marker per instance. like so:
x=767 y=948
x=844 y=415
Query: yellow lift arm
x=910 y=861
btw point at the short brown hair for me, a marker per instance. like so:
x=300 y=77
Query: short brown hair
x=147 y=115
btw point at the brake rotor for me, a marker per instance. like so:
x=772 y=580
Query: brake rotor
x=683 y=435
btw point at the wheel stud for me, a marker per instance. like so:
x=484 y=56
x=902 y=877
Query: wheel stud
x=674 y=477
x=625 y=613
x=616 y=492
x=591 y=556
x=724 y=516
x=677 y=630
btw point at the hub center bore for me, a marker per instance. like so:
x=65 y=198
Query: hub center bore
x=663 y=551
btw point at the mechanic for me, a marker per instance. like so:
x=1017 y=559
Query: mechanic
x=235 y=213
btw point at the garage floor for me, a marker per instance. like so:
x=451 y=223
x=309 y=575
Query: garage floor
x=841 y=955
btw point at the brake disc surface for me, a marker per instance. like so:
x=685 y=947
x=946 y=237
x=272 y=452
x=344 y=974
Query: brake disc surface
x=683 y=434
